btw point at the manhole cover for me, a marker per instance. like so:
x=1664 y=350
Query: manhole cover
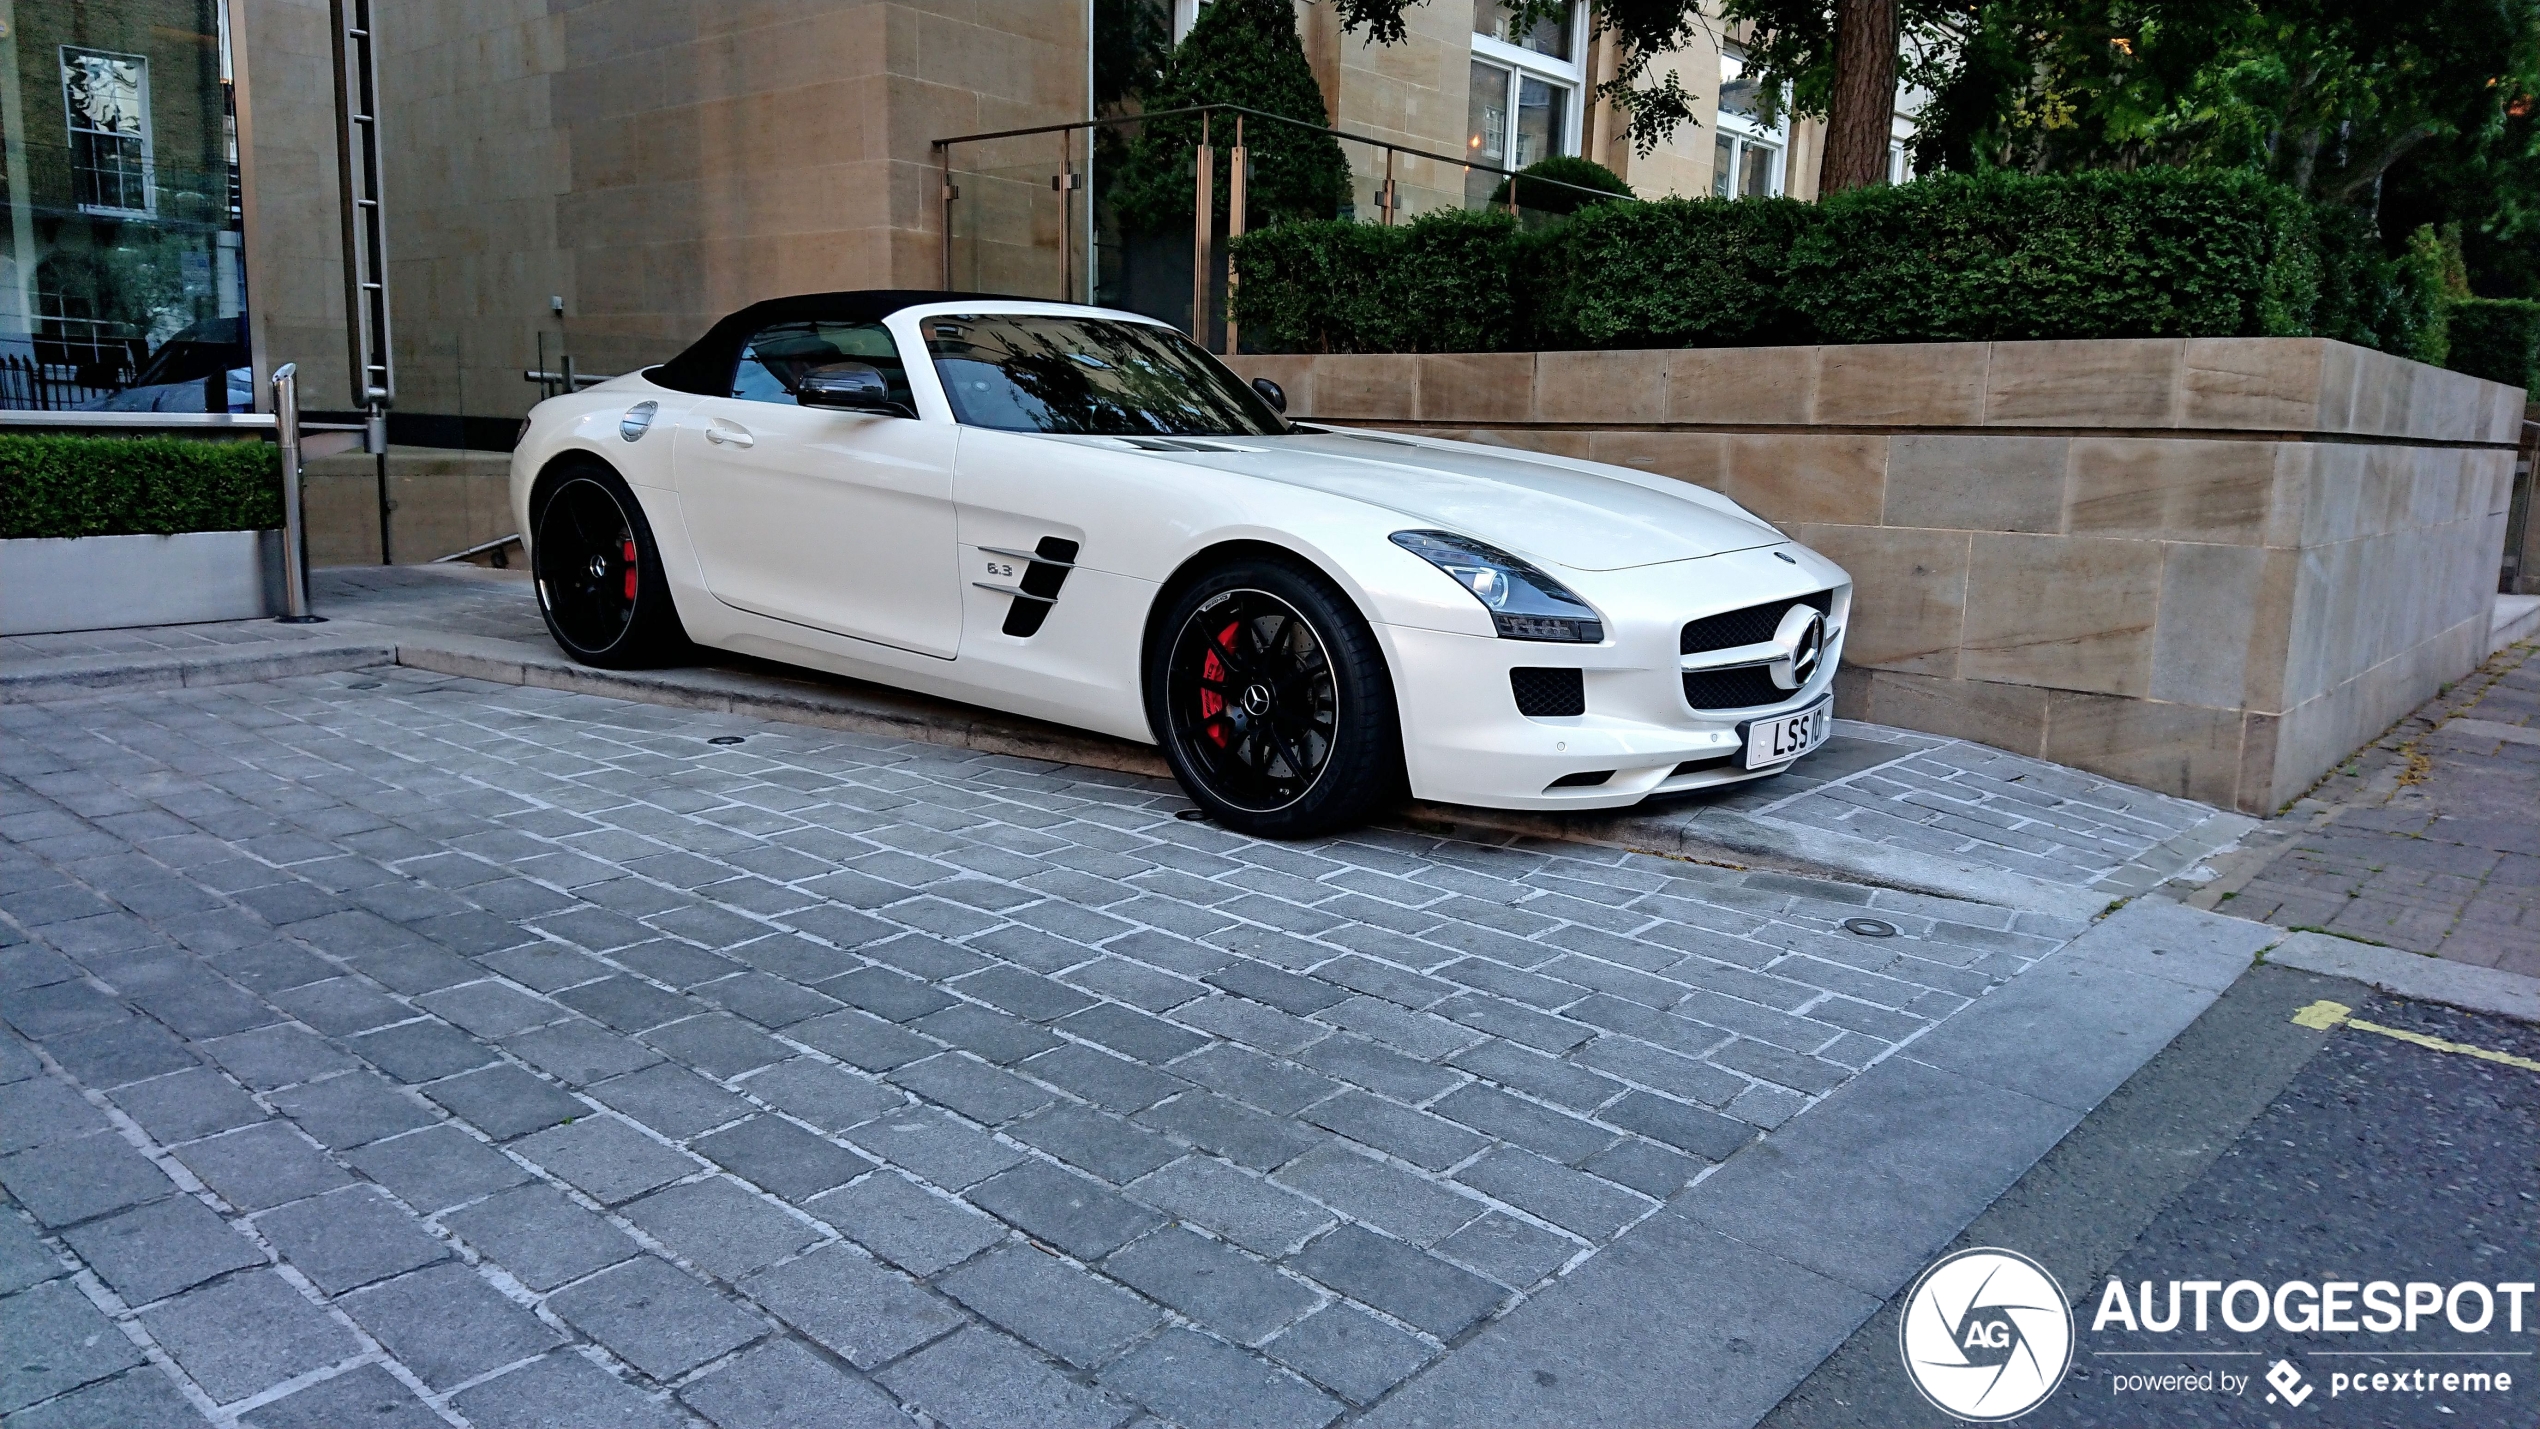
x=1869 y=927
x=725 y=739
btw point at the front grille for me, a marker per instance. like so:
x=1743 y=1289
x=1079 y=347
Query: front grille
x=1587 y=780
x=1751 y=626
x=1734 y=689
x=1543 y=693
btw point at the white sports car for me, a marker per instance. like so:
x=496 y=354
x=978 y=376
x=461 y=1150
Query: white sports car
x=1076 y=514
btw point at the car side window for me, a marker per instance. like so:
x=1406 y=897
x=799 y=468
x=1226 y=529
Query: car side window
x=775 y=358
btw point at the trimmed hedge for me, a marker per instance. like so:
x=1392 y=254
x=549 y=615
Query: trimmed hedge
x=1672 y=273
x=1954 y=257
x=1336 y=286
x=1965 y=257
x=2498 y=339
x=133 y=486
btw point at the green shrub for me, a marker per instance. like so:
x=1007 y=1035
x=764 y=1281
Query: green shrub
x=1954 y=257
x=1671 y=273
x=1553 y=197
x=1440 y=283
x=2498 y=339
x=125 y=486
x=1969 y=257
x=1243 y=52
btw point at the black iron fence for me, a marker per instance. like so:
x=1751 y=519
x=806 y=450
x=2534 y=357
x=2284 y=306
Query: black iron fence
x=28 y=385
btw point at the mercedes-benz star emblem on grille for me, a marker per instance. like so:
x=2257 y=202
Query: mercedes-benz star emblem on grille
x=1802 y=634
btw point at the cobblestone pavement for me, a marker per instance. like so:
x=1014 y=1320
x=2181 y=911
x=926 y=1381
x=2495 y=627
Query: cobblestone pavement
x=1919 y=793
x=402 y=1049
x=2051 y=821
x=2427 y=839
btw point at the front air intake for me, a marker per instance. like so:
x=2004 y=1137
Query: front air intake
x=1548 y=693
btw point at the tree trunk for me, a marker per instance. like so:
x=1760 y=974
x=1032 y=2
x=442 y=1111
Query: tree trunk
x=1862 y=109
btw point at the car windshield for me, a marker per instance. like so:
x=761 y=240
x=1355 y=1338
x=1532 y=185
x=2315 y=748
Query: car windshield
x=1089 y=377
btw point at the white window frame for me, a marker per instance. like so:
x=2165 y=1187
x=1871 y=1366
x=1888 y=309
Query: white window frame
x=1900 y=151
x=1744 y=133
x=1569 y=74
x=71 y=121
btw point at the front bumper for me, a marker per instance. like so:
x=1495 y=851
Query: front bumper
x=1464 y=741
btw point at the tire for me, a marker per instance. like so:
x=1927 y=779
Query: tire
x=1272 y=702
x=598 y=573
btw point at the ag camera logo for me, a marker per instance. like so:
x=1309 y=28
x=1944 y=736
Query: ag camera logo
x=1986 y=1335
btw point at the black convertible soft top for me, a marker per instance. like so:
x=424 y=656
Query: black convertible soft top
x=707 y=366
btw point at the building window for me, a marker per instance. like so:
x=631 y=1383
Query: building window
x=1749 y=156
x=1524 y=103
x=106 y=99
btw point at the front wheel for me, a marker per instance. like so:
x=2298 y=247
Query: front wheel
x=599 y=574
x=1272 y=702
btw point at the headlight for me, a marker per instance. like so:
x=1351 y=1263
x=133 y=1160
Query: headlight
x=1523 y=602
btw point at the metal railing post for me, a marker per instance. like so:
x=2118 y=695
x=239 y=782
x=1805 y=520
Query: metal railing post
x=1235 y=159
x=295 y=536
x=1203 y=226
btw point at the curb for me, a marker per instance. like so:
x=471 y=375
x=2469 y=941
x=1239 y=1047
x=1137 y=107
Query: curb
x=71 y=677
x=2417 y=976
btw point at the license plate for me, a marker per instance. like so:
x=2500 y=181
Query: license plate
x=1783 y=739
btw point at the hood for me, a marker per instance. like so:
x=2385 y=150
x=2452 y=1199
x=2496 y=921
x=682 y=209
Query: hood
x=1586 y=520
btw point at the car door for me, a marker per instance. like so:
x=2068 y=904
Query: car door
x=840 y=521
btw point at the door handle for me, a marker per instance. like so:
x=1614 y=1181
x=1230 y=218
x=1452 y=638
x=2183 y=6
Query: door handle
x=721 y=433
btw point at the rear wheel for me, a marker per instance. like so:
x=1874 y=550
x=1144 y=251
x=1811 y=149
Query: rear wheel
x=599 y=574
x=1272 y=702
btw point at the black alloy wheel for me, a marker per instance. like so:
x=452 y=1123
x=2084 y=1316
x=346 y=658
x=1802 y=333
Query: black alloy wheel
x=1273 y=703
x=598 y=574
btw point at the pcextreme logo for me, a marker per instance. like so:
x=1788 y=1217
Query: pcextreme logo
x=1986 y=1335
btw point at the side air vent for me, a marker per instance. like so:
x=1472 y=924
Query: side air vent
x=1751 y=626
x=1587 y=780
x=1038 y=589
x=1543 y=694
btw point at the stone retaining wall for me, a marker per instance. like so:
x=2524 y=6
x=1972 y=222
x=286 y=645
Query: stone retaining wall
x=2211 y=567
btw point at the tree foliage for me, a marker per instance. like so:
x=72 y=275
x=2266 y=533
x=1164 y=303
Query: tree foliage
x=1243 y=52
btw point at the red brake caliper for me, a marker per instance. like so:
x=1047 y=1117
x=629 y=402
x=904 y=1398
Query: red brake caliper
x=1211 y=703
x=630 y=568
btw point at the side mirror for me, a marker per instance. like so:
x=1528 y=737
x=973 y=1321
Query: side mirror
x=849 y=387
x=1271 y=393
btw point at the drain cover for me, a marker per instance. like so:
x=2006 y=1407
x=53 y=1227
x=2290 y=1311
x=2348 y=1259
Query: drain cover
x=364 y=685
x=1869 y=927
x=725 y=739
x=1191 y=816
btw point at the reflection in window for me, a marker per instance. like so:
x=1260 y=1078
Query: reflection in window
x=773 y=363
x=105 y=101
x=1090 y=377
x=1547 y=36
x=122 y=272
x=1523 y=101
x=1489 y=115
x=1747 y=153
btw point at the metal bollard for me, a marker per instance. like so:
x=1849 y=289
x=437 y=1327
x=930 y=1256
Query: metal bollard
x=295 y=551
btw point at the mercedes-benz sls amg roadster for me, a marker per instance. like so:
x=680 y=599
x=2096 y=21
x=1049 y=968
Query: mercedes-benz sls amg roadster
x=1078 y=515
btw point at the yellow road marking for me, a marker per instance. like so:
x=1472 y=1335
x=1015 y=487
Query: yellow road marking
x=2321 y=1016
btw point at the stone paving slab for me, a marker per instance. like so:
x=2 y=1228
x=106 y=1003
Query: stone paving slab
x=476 y=1020
x=2426 y=840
